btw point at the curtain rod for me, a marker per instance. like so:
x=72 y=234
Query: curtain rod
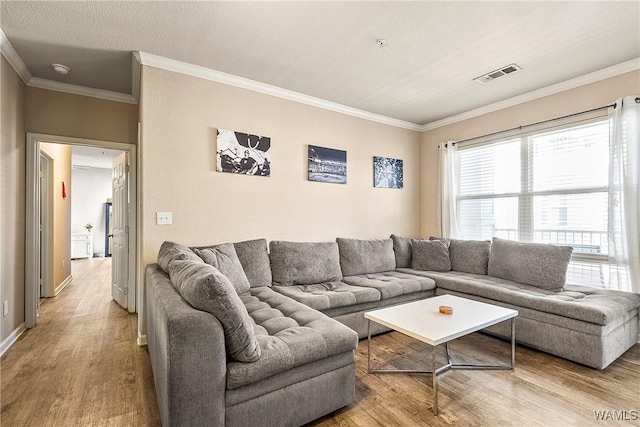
x=536 y=124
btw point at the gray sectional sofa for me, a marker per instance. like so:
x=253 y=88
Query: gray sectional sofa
x=239 y=334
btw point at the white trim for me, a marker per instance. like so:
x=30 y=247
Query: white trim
x=12 y=338
x=62 y=285
x=241 y=82
x=596 y=76
x=81 y=90
x=142 y=340
x=13 y=58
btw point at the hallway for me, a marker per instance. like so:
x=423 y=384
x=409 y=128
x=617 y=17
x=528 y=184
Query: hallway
x=80 y=365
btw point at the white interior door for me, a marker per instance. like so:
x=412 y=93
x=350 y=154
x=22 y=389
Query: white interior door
x=120 y=230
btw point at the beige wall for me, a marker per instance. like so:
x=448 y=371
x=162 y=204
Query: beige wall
x=63 y=114
x=12 y=198
x=61 y=155
x=180 y=115
x=571 y=101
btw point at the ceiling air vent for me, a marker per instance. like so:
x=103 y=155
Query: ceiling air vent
x=511 y=68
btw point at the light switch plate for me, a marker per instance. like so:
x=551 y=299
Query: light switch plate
x=164 y=218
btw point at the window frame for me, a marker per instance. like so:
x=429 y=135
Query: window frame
x=526 y=195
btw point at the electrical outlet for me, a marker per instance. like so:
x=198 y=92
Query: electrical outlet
x=5 y=308
x=164 y=218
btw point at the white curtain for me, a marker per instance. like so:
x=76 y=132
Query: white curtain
x=447 y=189
x=624 y=190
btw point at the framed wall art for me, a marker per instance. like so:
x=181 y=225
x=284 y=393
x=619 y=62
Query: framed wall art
x=327 y=165
x=387 y=173
x=243 y=153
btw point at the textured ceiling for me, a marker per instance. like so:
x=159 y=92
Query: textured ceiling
x=328 y=49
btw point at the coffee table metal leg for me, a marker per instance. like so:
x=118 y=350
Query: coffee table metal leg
x=513 y=342
x=435 y=380
x=368 y=345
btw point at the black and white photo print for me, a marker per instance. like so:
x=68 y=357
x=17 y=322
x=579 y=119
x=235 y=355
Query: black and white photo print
x=243 y=153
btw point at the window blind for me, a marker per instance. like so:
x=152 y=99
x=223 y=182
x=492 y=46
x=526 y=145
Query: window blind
x=545 y=187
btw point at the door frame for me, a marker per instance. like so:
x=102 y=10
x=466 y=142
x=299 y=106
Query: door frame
x=33 y=192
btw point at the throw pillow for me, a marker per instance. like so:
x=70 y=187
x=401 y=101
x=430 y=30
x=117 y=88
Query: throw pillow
x=365 y=256
x=470 y=256
x=224 y=258
x=402 y=251
x=254 y=257
x=430 y=255
x=536 y=264
x=207 y=289
x=170 y=251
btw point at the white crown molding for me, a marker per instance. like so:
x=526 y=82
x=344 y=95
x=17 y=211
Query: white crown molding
x=13 y=58
x=596 y=76
x=81 y=90
x=241 y=82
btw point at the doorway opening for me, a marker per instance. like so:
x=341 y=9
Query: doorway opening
x=42 y=265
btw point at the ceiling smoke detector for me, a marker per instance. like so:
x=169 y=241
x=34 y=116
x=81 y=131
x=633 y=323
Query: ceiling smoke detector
x=511 y=68
x=381 y=42
x=61 y=69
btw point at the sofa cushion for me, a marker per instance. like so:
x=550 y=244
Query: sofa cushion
x=328 y=295
x=366 y=256
x=402 y=251
x=430 y=255
x=470 y=256
x=535 y=264
x=254 y=257
x=290 y=335
x=170 y=251
x=207 y=289
x=592 y=305
x=224 y=258
x=391 y=284
x=303 y=263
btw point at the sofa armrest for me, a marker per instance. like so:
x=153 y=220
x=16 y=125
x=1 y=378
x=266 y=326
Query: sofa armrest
x=188 y=356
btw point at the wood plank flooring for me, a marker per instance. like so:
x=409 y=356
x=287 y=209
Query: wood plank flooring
x=81 y=366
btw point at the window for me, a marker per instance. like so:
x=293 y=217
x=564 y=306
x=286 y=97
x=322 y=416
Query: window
x=546 y=187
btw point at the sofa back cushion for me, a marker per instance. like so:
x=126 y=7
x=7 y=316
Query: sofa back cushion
x=470 y=256
x=254 y=257
x=170 y=251
x=224 y=258
x=535 y=264
x=304 y=263
x=207 y=289
x=432 y=255
x=366 y=256
x=402 y=251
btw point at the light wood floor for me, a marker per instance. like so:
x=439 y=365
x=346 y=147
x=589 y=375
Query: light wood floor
x=81 y=366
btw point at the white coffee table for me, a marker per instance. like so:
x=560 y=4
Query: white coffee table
x=422 y=321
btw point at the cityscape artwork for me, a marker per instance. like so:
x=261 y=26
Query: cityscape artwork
x=243 y=153
x=387 y=172
x=327 y=165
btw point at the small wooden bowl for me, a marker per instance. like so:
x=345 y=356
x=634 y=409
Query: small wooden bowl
x=445 y=309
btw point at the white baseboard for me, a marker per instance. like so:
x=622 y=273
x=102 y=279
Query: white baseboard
x=142 y=340
x=12 y=338
x=62 y=285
